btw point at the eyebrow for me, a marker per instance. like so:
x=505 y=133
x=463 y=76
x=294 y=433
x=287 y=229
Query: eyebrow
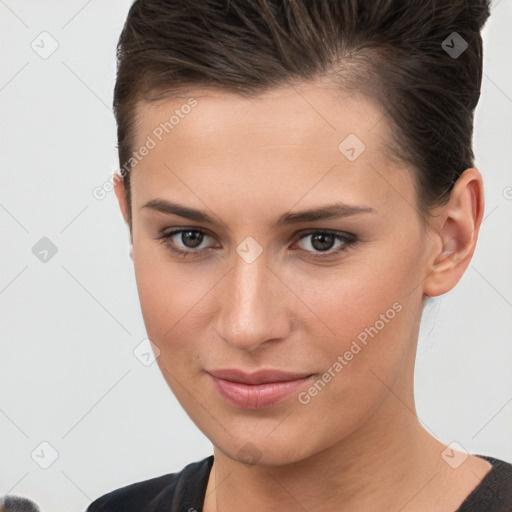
x=331 y=211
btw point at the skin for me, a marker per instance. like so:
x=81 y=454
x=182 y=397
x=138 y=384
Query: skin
x=246 y=163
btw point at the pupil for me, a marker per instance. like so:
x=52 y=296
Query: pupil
x=324 y=245
x=195 y=236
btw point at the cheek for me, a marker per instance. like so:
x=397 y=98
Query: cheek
x=361 y=361
x=367 y=324
x=371 y=317
x=169 y=300
x=176 y=305
x=167 y=294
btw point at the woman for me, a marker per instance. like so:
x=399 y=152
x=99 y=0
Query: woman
x=297 y=178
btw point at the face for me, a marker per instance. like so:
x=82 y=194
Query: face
x=331 y=301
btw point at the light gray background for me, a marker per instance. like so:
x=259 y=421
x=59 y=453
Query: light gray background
x=69 y=326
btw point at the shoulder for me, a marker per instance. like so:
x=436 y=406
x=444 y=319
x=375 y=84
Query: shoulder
x=494 y=494
x=185 y=488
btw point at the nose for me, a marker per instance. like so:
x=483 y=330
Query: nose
x=254 y=302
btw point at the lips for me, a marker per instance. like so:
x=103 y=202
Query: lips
x=258 y=390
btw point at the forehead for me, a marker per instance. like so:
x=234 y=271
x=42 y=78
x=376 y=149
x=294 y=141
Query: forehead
x=282 y=141
x=287 y=114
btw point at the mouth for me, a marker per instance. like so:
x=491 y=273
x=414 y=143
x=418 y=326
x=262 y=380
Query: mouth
x=258 y=390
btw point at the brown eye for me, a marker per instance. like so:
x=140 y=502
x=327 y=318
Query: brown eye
x=191 y=239
x=323 y=242
x=184 y=241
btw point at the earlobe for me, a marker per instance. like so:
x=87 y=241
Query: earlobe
x=456 y=230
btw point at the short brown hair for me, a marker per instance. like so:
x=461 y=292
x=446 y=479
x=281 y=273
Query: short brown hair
x=396 y=52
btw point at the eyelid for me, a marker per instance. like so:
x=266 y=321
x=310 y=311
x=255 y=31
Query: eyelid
x=309 y=231
x=297 y=235
x=349 y=240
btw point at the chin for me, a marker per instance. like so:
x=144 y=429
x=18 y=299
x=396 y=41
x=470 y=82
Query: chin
x=258 y=450
x=252 y=455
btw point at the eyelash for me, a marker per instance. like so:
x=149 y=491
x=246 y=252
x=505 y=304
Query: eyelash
x=348 y=240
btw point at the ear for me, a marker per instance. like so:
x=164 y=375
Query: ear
x=456 y=227
x=120 y=191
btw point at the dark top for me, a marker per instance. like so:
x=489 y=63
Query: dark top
x=185 y=491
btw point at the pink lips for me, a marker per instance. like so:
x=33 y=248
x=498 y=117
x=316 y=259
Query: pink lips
x=258 y=390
